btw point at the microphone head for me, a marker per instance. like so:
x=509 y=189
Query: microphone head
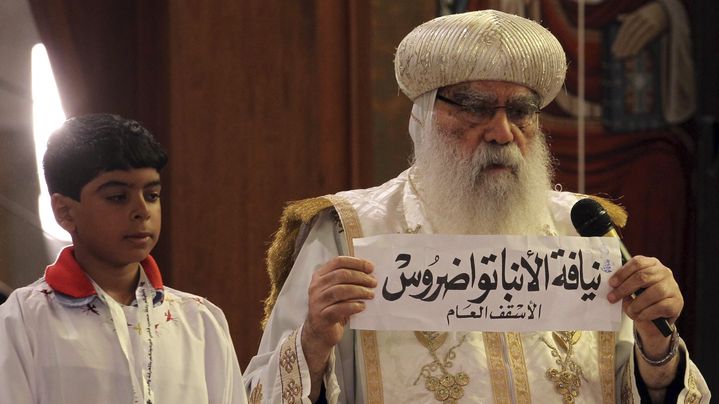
x=590 y=219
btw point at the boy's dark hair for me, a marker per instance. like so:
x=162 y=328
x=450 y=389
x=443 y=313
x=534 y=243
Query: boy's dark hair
x=88 y=145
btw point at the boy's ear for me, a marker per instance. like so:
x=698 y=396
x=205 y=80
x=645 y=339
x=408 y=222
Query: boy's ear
x=62 y=209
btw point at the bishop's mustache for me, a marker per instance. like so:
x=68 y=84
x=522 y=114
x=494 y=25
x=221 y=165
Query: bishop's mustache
x=493 y=155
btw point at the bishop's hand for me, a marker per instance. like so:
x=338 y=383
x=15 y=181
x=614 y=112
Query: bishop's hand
x=336 y=292
x=659 y=297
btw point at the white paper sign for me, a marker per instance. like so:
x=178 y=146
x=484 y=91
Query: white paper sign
x=489 y=283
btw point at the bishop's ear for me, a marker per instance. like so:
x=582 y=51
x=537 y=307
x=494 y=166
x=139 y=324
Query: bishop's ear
x=62 y=209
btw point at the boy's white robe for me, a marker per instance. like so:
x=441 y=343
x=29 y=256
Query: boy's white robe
x=58 y=344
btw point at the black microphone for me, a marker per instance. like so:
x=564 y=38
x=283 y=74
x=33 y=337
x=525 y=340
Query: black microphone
x=591 y=220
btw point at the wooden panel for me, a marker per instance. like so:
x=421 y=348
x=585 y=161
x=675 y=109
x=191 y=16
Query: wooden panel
x=392 y=146
x=92 y=48
x=258 y=115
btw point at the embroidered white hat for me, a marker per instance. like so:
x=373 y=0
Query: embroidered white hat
x=480 y=45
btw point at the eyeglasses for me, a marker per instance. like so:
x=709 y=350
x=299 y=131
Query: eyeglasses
x=520 y=113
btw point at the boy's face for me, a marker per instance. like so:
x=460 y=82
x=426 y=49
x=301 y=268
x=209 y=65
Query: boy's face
x=117 y=220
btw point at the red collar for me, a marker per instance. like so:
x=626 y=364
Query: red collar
x=67 y=276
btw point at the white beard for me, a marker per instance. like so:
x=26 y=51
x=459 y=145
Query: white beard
x=462 y=198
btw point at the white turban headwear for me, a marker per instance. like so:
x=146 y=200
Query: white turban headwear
x=478 y=45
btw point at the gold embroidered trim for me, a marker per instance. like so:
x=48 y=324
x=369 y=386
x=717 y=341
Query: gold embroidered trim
x=693 y=396
x=374 y=393
x=627 y=397
x=607 y=340
x=495 y=362
x=446 y=387
x=348 y=217
x=519 y=368
x=568 y=378
x=290 y=370
x=256 y=395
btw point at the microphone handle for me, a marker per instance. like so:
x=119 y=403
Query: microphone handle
x=661 y=323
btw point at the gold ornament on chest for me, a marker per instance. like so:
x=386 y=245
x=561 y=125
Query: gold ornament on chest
x=568 y=377
x=447 y=387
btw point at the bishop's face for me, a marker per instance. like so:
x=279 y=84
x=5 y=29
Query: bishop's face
x=484 y=166
x=479 y=113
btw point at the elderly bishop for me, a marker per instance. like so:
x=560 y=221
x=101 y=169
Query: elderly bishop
x=481 y=165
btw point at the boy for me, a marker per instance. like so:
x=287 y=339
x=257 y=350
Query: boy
x=100 y=326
